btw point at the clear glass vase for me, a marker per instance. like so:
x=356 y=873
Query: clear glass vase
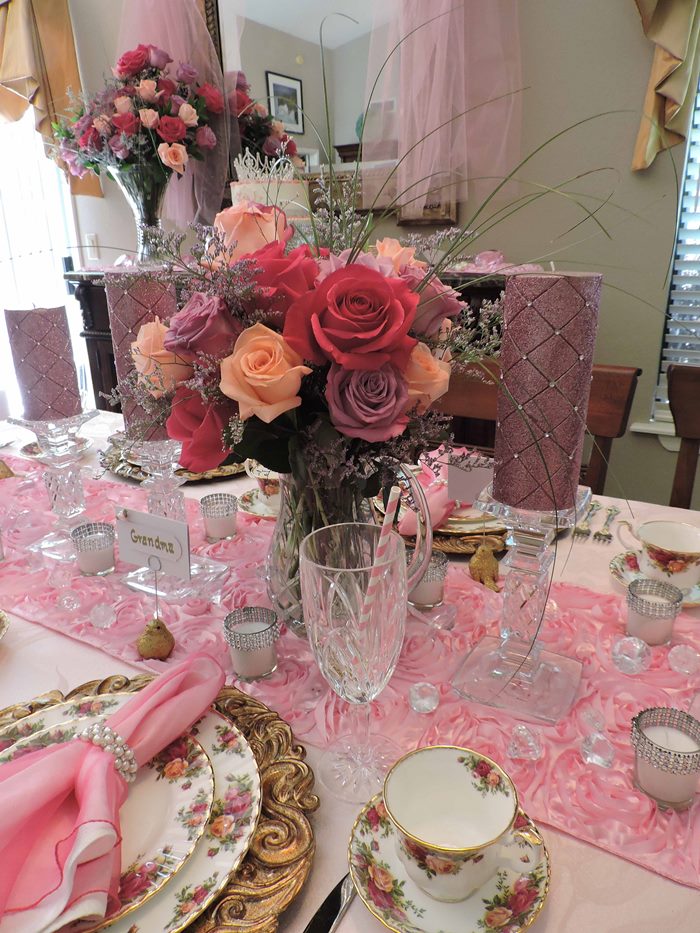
x=144 y=187
x=304 y=508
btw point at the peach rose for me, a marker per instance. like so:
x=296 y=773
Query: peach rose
x=147 y=90
x=188 y=115
x=102 y=123
x=263 y=374
x=174 y=155
x=260 y=109
x=251 y=226
x=149 y=118
x=392 y=249
x=493 y=778
x=187 y=907
x=381 y=810
x=441 y=866
x=161 y=371
x=498 y=917
x=383 y=879
x=221 y=826
x=175 y=768
x=123 y=104
x=426 y=377
x=277 y=128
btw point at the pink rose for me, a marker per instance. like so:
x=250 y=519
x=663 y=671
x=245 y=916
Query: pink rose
x=263 y=374
x=427 y=378
x=167 y=87
x=200 y=428
x=367 y=403
x=127 y=123
x=250 y=227
x=123 y=104
x=175 y=156
x=171 y=129
x=205 y=137
x=237 y=803
x=436 y=301
x=160 y=370
x=131 y=62
x=146 y=90
x=157 y=57
x=203 y=325
x=120 y=148
x=212 y=97
x=188 y=115
x=149 y=118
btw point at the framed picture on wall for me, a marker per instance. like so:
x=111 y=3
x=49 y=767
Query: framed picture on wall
x=286 y=102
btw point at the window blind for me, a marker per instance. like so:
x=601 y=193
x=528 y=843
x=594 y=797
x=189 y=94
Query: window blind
x=681 y=343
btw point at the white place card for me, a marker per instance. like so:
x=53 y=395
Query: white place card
x=155 y=542
x=466 y=481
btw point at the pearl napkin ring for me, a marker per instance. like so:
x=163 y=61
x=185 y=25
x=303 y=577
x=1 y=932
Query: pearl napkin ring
x=108 y=740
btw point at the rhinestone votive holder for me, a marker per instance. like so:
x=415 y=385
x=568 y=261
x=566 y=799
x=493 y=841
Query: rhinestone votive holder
x=103 y=737
x=251 y=634
x=429 y=592
x=652 y=607
x=667 y=756
x=219 y=510
x=94 y=547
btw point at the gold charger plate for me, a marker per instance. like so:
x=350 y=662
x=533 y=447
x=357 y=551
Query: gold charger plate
x=114 y=460
x=279 y=858
x=465 y=544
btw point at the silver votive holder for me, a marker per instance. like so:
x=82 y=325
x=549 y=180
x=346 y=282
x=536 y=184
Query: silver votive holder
x=94 y=548
x=219 y=513
x=429 y=592
x=652 y=607
x=666 y=742
x=251 y=634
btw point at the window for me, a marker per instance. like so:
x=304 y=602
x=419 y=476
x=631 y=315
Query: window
x=682 y=335
x=36 y=232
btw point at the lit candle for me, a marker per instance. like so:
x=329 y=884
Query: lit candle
x=251 y=634
x=667 y=764
x=94 y=548
x=652 y=608
x=219 y=513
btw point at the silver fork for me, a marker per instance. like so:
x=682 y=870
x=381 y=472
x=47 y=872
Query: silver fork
x=583 y=529
x=605 y=534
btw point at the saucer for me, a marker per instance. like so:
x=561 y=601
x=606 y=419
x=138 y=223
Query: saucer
x=255 y=503
x=511 y=899
x=625 y=568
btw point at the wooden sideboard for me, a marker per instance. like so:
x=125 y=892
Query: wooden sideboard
x=92 y=298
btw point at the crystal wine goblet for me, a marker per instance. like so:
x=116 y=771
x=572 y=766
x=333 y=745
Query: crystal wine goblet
x=356 y=640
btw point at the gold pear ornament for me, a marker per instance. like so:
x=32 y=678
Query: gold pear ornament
x=483 y=567
x=156 y=641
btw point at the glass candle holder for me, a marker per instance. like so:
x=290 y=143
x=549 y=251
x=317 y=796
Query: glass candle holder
x=652 y=607
x=219 y=513
x=251 y=634
x=429 y=592
x=667 y=756
x=94 y=548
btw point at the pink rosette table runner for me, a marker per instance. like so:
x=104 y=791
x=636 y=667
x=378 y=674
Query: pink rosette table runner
x=598 y=805
x=59 y=806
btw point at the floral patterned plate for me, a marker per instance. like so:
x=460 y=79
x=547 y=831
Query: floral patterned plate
x=508 y=903
x=255 y=503
x=165 y=813
x=625 y=568
x=227 y=834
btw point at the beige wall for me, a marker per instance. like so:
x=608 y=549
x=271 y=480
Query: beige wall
x=349 y=63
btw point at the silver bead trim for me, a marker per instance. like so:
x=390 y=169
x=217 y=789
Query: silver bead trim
x=251 y=641
x=639 y=589
x=659 y=757
x=103 y=737
x=93 y=536
x=218 y=505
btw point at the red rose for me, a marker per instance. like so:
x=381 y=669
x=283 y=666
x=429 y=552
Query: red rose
x=290 y=146
x=90 y=138
x=167 y=86
x=522 y=900
x=133 y=884
x=483 y=768
x=239 y=102
x=127 y=123
x=212 y=96
x=383 y=899
x=357 y=317
x=171 y=129
x=199 y=427
x=199 y=894
x=130 y=63
x=282 y=279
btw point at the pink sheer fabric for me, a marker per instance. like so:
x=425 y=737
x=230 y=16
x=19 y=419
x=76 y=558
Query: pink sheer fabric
x=59 y=806
x=448 y=96
x=177 y=27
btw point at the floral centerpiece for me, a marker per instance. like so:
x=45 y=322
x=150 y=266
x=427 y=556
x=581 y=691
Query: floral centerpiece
x=142 y=128
x=320 y=364
x=259 y=133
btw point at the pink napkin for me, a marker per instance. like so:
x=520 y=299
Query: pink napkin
x=493 y=261
x=433 y=479
x=59 y=806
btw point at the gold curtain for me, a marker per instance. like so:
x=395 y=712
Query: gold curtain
x=674 y=27
x=38 y=64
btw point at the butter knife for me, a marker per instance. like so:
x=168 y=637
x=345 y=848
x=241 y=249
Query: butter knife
x=332 y=910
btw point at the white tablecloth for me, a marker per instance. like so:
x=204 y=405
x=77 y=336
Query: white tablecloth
x=591 y=891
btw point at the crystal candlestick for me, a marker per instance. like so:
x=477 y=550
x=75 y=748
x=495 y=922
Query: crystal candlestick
x=513 y=671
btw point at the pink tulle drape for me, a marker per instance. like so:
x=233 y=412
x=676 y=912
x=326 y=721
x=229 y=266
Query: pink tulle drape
x=178 y=27
x=447 y=104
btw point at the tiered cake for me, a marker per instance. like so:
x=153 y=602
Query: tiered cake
x=272 y=184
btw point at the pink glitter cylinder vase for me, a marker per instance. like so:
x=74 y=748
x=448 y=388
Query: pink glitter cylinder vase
x=44 y=364
x=130 y=305
x=549 y=330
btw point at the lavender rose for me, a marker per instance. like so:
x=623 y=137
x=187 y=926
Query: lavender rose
x=186 y=73
x=204 y=325
x=158 y=58
x=369 y=404
x=437 y=301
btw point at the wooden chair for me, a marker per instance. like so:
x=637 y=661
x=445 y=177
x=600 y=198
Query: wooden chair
x=612 y=392
x=684 y=399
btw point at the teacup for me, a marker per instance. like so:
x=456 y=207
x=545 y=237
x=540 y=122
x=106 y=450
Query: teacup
x=452 y=808
x=268 y=482
x=670 y=552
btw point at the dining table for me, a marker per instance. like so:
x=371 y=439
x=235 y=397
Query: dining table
x=592 y=890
